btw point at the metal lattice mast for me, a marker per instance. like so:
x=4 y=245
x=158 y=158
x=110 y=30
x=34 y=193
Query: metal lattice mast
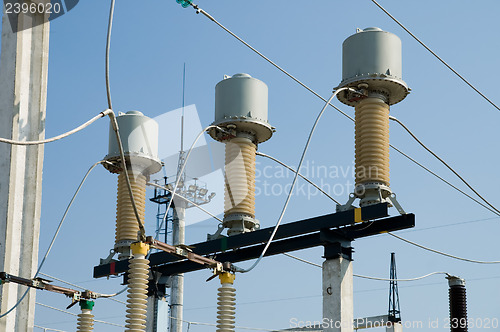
x=394 y=309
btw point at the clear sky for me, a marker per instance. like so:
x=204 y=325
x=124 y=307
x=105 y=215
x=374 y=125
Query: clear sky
x=152 y=40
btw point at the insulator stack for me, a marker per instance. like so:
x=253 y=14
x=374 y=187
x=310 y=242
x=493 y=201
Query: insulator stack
x=85 y=318
x=139 y=137
x=138 y=274
x=458 y=305
x=241 y=120
x=372 y=68
x=127 y=227
x=239 y=193
x=226 y=303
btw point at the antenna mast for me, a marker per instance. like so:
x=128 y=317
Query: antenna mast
x=394 y=309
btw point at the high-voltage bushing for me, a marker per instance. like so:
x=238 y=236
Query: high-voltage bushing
x=458 y=304
x=85 y=317
x=139 y=136
x=226 y=303
x=241 y=113
x=138 y=274
x=371 y=66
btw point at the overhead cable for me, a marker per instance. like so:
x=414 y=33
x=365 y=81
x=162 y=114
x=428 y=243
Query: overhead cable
x=435 y=55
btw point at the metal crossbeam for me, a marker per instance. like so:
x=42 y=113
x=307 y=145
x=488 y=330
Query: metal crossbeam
x=349 y=223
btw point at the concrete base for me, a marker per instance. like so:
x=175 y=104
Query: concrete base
x=338 y=313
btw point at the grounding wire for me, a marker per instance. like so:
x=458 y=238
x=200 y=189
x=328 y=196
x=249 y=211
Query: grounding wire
x=108 y=44
x=285 y=206
x=435 y=55
x=49 y=140
x=302 y=176
x=55 y=236
x=443 y=162
x=442 y=253
x=185 y=199
x=210 y=17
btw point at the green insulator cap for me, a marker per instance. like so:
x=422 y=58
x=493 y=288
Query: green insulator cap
x=86 y=304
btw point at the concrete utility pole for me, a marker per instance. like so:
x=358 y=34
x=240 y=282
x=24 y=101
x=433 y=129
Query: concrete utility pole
x=23 y=94
x=338 y=306
x=177 y=290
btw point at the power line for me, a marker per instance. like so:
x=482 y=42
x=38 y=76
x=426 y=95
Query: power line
x=48 y=329
x=435 y=55
x=302 y=176
x=285 y=206
x=368 y=277
x=210 y=17
x=108 y=45
x=54 y=237
x=442 y=253
x=443 y=162
x=49 y=140
x=72 y=314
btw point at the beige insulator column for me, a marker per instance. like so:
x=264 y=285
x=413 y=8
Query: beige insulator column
x=139 y=138
x=226 y=303
x=137 y=288
x=239 y=193
x=127 y=227
x=372 y=150
x=85 y=318
x=241 y=120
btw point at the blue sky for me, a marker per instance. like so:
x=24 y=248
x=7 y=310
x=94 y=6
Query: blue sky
x=150 y=43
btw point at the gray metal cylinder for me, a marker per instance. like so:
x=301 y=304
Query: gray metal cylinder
x=373 y=57
x=139 y=136
x=241 y=101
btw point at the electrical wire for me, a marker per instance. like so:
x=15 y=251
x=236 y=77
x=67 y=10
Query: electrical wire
x=435 y=55
x=72 y=314
x=48 y=329
x=368 y=277
x=116 y=129
x=285 y=206
x=443 y=180
x=443 y=162
x=210 y=17
x=302 y=176
x=185 y=199
x=442 y=253
x=54 y=237
x=181 y=171
x=49 y=140
x=108 y=45
x=209 y=324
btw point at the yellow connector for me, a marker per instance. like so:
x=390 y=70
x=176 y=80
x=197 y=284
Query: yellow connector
x=227 y=278
x=139 y=248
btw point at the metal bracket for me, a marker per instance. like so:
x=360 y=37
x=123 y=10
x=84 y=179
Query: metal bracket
x=217 y=234
x=393 y=200
x=347 y=206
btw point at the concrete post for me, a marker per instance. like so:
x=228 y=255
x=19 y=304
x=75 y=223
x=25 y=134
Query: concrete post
x=338 y=313
x=23 y=93
x=177 y=290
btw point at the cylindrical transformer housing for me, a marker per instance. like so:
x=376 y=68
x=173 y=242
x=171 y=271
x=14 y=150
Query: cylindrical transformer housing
x=241 y=101
x=373 y=57
x=241 y=112
x=139 y=136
